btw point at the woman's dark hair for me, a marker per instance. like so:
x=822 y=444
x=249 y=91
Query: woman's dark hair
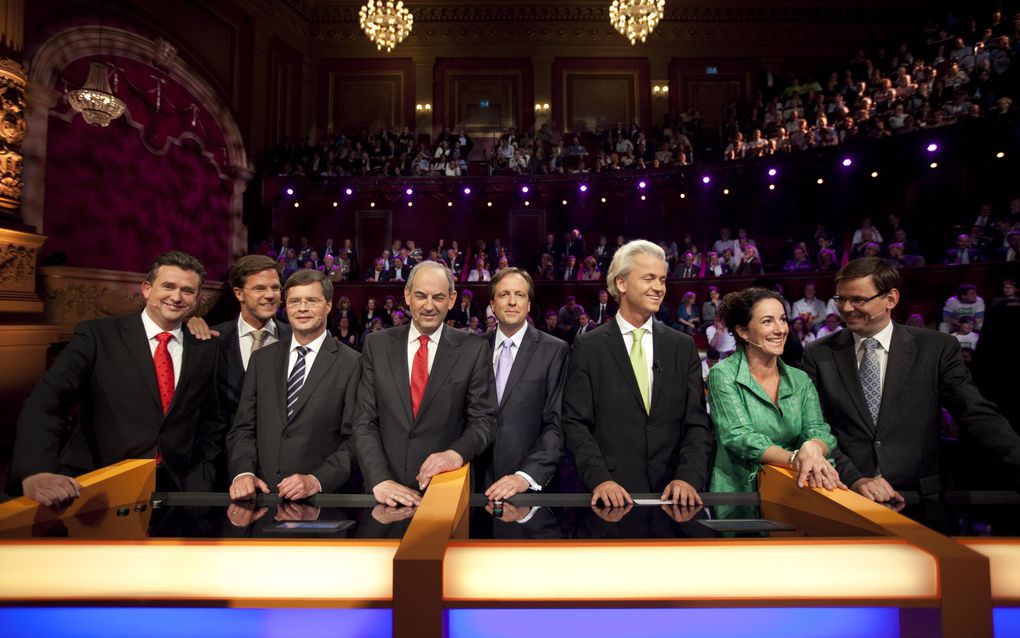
x=736 y=308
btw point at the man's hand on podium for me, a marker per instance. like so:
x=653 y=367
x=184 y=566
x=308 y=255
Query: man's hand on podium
x=50 y=489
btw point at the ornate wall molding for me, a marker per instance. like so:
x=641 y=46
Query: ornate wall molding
x=12 y=133
x=77 y=294
x=19 y=254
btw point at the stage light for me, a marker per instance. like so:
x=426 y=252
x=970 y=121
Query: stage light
x=467 y=191
x=290 y=191
x=335 y=204
x=524 y=189
x=410 y=204
x=297 y=205
x=603 y=200
x=933 y=165
x=527 y=203
x=489 y=204
x=449 y=204
x=874 y=173
x=643 y=198
x=772 y=187
x=847 y=162
x=821 y=181
x=706 y=179
x=349 y=191
x=772 y=172
x=583 y=188
x=932 y=147
x=725 y=191
x=372 y=205
x=564 y=202
x=410 y=191
x=1000 y=155
x=683 y=195
x=641 y=184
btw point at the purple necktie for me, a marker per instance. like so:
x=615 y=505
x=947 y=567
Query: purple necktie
x=506 y=361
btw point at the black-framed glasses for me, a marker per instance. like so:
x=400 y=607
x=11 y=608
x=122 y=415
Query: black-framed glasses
x=856 y=302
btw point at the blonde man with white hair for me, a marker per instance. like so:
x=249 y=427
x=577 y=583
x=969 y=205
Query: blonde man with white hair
x=634 y=403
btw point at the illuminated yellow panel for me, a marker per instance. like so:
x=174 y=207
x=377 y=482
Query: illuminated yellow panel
x=283 y=571
x=1004 y=560
x=805 y=570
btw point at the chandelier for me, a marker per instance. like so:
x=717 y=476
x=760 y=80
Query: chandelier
x=94 y=100
x=385 y=23
x=635 y=19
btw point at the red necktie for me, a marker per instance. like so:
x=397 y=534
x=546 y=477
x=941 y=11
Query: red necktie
x=164 y=370
x=419 y=374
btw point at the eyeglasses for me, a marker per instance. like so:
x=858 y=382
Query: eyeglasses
x=856 y=302
x=311 y=301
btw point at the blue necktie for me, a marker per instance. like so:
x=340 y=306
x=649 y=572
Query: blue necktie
x=296 y=380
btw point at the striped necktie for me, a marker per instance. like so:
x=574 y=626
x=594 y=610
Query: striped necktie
x=296 y=380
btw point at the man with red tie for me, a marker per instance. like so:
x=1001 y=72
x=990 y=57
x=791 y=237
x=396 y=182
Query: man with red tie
x=145 y=387
x=426 y=402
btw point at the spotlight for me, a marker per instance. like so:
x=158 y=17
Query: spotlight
x=772 y=172
x=641 y=184
x=410 y=191
x=821 y=181
x=706 y=179
x=489 y=204
x=874 y=173
x=847 y=162
x=1000 y=155
x=467 y=191
x=527 y=203
x=725 y=191
x=683 y=195
x=933 y=165
x=642 y=198
x=583 y=188
x=349 y=191
x=449 y=204
x=410 y=204
x=564 y=202
x=524 y=189
x=290 y=191
x=932 y=147
x=297 y=204
x=603 y=200
x=772 y=187
x=372 y=205
x=335 y=204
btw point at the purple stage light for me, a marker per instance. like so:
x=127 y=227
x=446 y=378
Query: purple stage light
x=467 y=191
x=584 y=187
x=410 y=191
x=933 y=147
x=349 y=191
x=524 y=189
x=641 y=184
x=847 y=162
x=290 y=191
x=772 y=172
x=706 y=179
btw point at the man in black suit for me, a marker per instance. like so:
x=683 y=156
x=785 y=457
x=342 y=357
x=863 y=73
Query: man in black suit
x=426 y=402
x=882 y=386
x=634 y=404
x=146 y=389
x=255 y=280
x=529 y=367
x=602 y=310
x=293 y=422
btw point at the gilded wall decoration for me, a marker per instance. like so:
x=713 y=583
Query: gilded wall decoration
x=12 y=132
x=17 y=267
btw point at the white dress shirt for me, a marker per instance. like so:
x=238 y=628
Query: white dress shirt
x=175 y=346
x=412 y=346
x=517 y=338
x=646 y=344
x=884 y=338
x=313 y=349
x=245 y=335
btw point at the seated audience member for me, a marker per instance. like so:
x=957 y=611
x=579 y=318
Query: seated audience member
x=1009 y=294
x=584 y=324
x=916 y=320
x=749 y=263
x=603 y=309
x=965 y=303
x=800 y=330
x=552 y=326
x=724 y=241
x=464 y=309
x=965 y=334
x=378 y=271
x=720 y=337
x=963 y=253
x=710 y=308
x=634 y=372
x=810 y=308
x=347 y=334
x=397 y=318
x=1011 y=251
x=296 y=443
x=454 y=420
x=764 y=410
x=688 y=316
x=865 y=233
x=530 y=368
x=688 y=269
x=711 y=358
x=799 y=263
x=479 y=272
x=590 y=270
x=831 y=325
x=899 y=259
x=546 y=268
x=568 y=314
x=571 y=272
x=827 y=260
x=146 y=389
x=888 y=420
x=715 y=266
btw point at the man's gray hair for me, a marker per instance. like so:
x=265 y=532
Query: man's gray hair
x=428 y=265
x=623 y=262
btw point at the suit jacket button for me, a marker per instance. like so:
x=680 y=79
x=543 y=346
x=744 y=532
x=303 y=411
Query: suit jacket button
x=878 y=444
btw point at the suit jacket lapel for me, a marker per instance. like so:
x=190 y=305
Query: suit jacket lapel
x=618 y=352
x=846 y=362
x=138 y=346
x=281 y=360
x=188 y=364
x=529 y=345
x=902 y=349
x=234 y=352
x=446 y=357
x=324 y=360
x=659 y=350
x=398 y=366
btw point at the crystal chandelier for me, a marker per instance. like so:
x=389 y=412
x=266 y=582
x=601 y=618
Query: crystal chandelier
x=94 y=100
x=385 y=23
x=635 y=19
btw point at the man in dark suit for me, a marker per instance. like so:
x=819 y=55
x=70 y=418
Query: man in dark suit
x=293 y=422
x=529 y=368
x=964 y=253
x=602 y=310
x=426 y=402
x=146 y=389
x=463 y=310
x=634 y=404
x=255 y=280
x=882 y=386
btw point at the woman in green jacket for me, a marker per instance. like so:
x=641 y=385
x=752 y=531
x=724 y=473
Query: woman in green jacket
x=765 y=411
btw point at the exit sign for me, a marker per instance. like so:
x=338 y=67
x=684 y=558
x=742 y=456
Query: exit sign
x=484 y=104
x=711 y=70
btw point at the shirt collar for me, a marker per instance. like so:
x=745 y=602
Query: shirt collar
x=626 y=328
x=243 y=327
x=517 y=338
x=314 y=346
x=151 y=329
x=413 y=334
x=884 y=338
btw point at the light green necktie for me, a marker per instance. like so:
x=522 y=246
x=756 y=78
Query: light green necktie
x=637 y=361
